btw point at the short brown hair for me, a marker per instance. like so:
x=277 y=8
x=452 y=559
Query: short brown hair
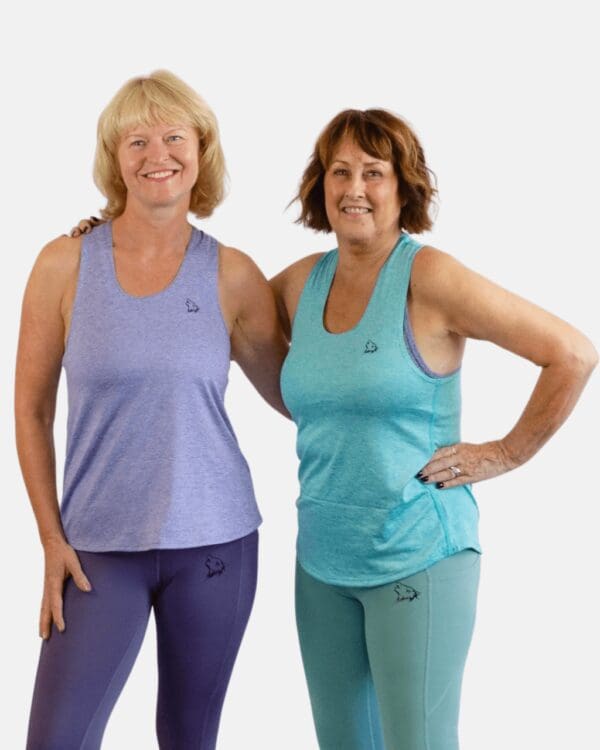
x=146 y=100
x=383 y=135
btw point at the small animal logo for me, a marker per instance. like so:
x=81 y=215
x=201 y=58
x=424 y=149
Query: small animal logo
x=216 y=566
x=191 y=305
x=370 y=347
x=405 y=593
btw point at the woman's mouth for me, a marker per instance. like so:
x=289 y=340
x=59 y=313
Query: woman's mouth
x=160 y=175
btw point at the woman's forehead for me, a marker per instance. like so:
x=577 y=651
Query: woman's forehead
x=350 y=148
x=141 y=126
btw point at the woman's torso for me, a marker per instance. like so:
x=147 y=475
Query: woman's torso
x=152 y=460
x=370 y=413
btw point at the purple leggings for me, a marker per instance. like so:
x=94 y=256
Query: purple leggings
x=202 y=598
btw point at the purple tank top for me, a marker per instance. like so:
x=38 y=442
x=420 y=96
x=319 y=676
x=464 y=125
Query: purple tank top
x=152 y=460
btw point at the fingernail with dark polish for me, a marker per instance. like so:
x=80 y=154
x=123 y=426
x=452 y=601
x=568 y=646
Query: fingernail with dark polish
x=439 y=485
x=423 y=478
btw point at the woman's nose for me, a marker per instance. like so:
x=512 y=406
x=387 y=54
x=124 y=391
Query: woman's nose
x=356 y=188
x=157 y=150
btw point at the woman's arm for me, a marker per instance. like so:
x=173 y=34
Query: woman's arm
x=287 y=287
x=257 y=341
x=474 y=307
x=39 y=356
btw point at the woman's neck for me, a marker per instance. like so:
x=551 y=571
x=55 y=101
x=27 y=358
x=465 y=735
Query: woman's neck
x=155 y=230
x=362 y=257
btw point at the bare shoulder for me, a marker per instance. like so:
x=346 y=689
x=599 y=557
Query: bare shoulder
x=289 y=283
x=237 y=269
x=432 y=267
x=296 y=274
x=287 y=286
x=57 y=265
x=438 y=278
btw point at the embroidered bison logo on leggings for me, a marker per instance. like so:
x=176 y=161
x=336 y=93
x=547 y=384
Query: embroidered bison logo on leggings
x=405 y=593
x=215 y=566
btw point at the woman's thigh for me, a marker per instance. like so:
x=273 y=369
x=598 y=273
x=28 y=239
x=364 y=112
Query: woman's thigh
x=331 y=630
x=418 y=633
x=82 y=670
x=201 y=610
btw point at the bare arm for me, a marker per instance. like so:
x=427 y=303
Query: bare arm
x=41 y=346
x=257 y=341
x=287 y=287
x=476 y=308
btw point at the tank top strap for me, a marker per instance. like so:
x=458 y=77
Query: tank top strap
x=388 y=304
x=96 y=269
x=309 y=312
x=202 y=255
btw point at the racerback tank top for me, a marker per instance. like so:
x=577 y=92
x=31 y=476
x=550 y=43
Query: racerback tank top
x=369 y=418
x=152 y=460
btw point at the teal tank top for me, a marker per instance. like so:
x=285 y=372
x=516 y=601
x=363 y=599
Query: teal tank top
x=369 y=415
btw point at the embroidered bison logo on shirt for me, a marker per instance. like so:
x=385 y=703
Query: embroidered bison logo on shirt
x=405 y=593
x=370 y=347
x=215 y=566
x=191 y=305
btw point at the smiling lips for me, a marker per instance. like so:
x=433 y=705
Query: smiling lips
x=356 y=210
x=160 y=176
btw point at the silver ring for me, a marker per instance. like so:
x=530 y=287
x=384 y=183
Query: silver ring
x=455 y=471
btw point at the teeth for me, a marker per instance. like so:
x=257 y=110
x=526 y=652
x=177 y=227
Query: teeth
x=160 y=174
x=355 y=210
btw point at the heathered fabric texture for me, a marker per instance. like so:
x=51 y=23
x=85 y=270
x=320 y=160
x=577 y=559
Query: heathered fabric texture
x=369 y=418
x=152 y=460
x=384 y=664
x=201 y=597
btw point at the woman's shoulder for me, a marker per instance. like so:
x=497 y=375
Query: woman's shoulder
x=58 y=261
x=295 y=275
x=433 y=270
x=287 y=286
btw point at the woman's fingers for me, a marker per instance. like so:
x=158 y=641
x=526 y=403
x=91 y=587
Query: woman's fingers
x=464 y=463
x=437 y=469
x=61 y=562
x=56 y=608
x=52 y=609
x=45 y=620
x=85 y=226
x=78 y=575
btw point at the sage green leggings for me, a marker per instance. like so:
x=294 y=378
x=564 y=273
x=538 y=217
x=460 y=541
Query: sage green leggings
x=384 y=665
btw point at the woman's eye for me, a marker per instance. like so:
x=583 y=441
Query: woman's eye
x=373 y=173
x=175 y=138
x=340 y=171
x=137 y=143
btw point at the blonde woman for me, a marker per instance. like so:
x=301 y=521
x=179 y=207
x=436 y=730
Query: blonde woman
x=158 y=511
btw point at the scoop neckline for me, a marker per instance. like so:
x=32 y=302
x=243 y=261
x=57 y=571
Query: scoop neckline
x=357 y=325
x=160 y=292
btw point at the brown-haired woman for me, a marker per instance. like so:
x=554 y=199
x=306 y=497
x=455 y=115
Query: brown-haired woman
x=388 y=548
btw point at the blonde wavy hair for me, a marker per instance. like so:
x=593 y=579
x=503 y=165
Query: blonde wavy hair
x=385 y=136
x=147 y=100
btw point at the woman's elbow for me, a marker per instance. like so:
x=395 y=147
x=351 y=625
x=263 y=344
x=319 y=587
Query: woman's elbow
x=579 y=355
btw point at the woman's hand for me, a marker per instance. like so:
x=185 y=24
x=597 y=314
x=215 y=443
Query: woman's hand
x=61 y=561
x=85 y=226
x=465 y=463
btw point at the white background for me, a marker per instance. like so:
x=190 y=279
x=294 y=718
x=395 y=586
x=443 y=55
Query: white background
x=502 y=96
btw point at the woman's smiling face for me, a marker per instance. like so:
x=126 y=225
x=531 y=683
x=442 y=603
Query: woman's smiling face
x=159 y=163
x=361 y=196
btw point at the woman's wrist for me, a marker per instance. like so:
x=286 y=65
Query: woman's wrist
x=52 y=538
x=512 y=456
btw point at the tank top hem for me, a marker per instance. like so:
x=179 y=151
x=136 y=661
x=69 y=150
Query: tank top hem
x=397 y=575
x=93 y=546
